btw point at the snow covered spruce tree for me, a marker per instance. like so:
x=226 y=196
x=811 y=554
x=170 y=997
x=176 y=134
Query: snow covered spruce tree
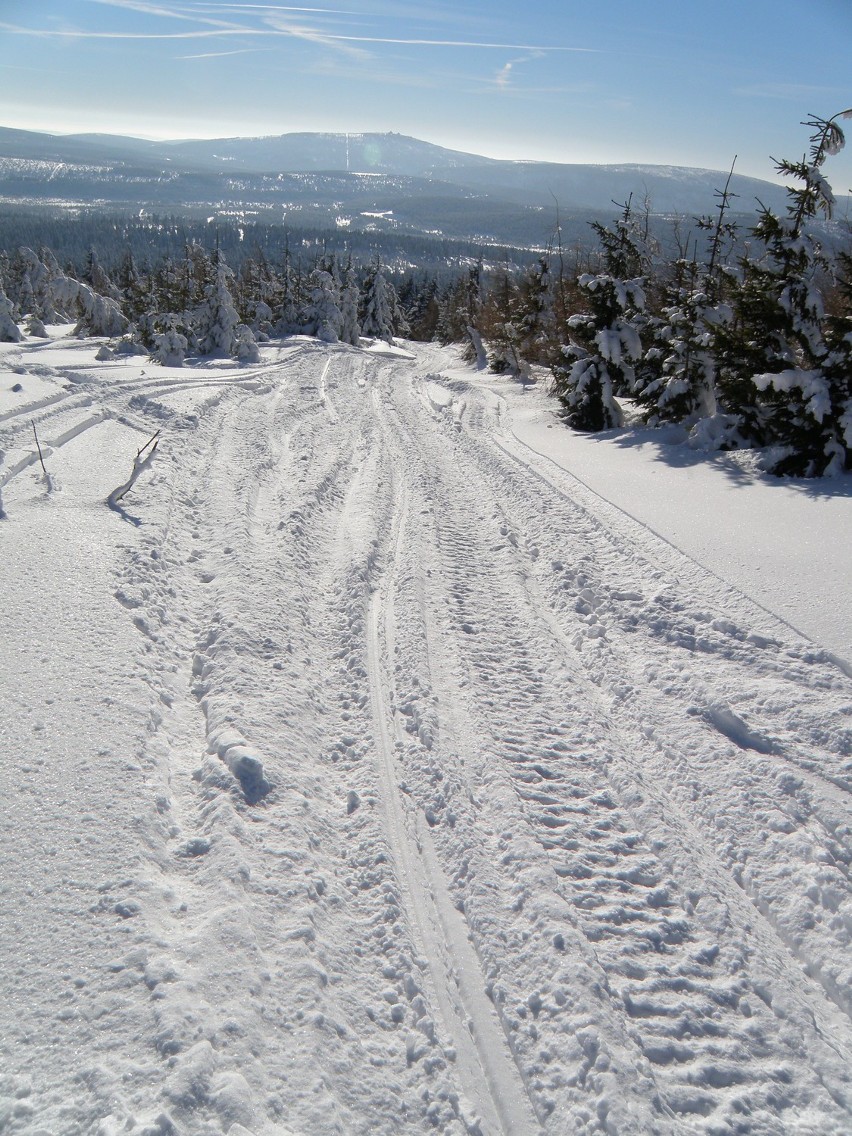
x=96 y=276
x=217 y=326
x=9 y=330
x=784 y=368
x=680 y=368
x=680 y=378
x=33 y=276
x=285 y=310
x=382 y=316
x=323 y=317
x=535 y=312
x=95 y=315
x=169 y=346
x=605 y=345
x=350 y=329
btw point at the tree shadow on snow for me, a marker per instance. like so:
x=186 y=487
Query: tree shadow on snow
x=669 y=445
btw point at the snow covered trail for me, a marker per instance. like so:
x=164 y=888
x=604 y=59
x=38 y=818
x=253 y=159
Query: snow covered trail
x=373 y=775
x=639 y=727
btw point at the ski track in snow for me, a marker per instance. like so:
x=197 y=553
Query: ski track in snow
x=394 y=782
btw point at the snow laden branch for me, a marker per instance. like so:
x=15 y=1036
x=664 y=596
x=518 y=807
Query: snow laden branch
x=140 y=464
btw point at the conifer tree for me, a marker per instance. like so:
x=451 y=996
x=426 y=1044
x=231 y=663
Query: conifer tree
x=26 y=296
x=501 y=324
x=350 y=329
x=169 y=346
x=285 y=311
x=9 y=330
x=535 y=312
x=217 y=325
x=134 y=288
x=420 y=305
x=323 y=315
x=598 y=361
x=679 y=380
x=382 y=316
x=792 y=383
x=96 y=276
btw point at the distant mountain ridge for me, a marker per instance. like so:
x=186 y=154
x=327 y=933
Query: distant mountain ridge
x=370 y=179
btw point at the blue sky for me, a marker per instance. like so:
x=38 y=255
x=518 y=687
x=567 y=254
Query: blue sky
x=685 y=82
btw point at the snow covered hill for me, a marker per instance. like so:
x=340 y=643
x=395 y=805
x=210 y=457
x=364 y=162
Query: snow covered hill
x=429 y=188
x=394 y=761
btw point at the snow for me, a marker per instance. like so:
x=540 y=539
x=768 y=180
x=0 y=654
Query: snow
x=398 y=761
x=785 y=543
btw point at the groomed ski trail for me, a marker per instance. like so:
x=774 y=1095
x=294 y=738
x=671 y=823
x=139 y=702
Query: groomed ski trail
x=443 y=795
x=486 y=1067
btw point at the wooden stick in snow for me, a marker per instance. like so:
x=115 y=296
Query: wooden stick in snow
x=139 y=465
x=38 y=447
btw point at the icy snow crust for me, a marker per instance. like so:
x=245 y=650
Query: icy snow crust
x=369 y=772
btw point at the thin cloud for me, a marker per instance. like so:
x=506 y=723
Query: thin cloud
x=461 y=43
x=51 y=33
x=149 y=9
x=333 y=39
x=314 y=35
x=220 y=54
x=503 y=77
x=296 y=32
x=278 y=8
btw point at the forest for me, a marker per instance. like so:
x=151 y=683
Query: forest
x=743 y=339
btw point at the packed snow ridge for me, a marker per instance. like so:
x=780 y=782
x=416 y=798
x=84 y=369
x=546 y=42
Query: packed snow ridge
x=389 y=760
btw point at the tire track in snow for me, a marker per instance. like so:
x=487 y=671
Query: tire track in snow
x=599 y=607
x=612 y=861
x=812 y=795
x=285 y=889
x=487 y=1070
x=137 y=402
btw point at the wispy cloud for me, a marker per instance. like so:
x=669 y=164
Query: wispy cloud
x=462 y=43
x=503 y=77
x=174 y=13
x=336 y=43
x=294 y=31
x=71 y=33
x=235 y=11
x=220 y=54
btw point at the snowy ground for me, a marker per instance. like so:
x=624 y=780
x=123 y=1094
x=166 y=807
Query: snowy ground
x=397 y=762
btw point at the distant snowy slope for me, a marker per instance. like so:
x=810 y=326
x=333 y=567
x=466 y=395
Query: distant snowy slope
x=575 y=186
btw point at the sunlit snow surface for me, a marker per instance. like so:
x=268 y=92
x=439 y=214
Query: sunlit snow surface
x=396 y=761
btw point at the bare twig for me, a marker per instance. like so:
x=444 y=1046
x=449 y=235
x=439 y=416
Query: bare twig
x=38 y=447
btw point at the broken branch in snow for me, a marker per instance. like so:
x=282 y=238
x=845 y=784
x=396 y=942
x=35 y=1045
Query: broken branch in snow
x=38 y=447
x=140 y=463
x=48 y=480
